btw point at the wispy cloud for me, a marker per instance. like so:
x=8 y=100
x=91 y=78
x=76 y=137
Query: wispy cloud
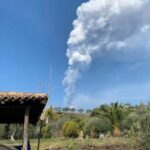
x=88 y=101
x=103 y=25
x=123 y=93
x=127 y=93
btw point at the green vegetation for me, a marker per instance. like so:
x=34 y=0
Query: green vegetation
x=107 y=125
x=115 y=113
x=94 y=126
x=76 y=144
x=70 y=129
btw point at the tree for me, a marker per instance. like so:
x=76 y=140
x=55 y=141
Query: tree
x=80 y=110
x=6 y=129
x=72 y=110
x=58 y=109
x=66 y=109
x=115 y=112
x=144 y=113
x=70 y=129
x=49 y=115
x=46 y=131
x=88 y=111
x=94 y=126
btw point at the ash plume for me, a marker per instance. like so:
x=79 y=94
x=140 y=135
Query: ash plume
x=102 y=26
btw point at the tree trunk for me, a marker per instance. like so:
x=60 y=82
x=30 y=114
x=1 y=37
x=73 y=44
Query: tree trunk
x=116 y=131
x=39 y=137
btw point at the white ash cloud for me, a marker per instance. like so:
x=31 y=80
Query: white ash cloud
x=102 y=25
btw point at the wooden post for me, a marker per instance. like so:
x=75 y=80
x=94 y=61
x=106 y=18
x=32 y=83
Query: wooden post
x=39 y=137
x=25 y=132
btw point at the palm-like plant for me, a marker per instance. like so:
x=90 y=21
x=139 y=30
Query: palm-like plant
x=47 y=116
x=50 y=115
x=116 y=113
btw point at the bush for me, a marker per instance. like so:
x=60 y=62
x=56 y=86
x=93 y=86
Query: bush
x=145 y=132
x=94 y=126
x=70 y=129
x=57 y=126
x=46 y=131
x=131 y=122
x=4 y=131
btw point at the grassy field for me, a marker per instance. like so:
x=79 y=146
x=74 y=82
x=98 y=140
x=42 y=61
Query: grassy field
x=76 y=144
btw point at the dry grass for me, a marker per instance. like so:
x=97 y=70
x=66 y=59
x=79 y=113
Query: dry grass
x=75 y=144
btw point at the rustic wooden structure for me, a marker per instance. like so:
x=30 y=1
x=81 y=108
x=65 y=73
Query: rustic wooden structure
x=21 y=108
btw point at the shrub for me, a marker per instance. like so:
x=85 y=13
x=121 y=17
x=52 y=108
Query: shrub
x=4 y=131
x=131 y=122
x=145 y=131
x=46 y=131
x=70 y=129
x=94 y=126
x=115 y=113
x=57 y=126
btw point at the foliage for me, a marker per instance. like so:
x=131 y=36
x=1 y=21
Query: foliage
x=50 y=115
x=4 y=131
x=76 y=144
x=145 y=129
x=46 y=131
x=133 y=122
x=115 y=112
x=70 y=129
x=57 y=126
x=16 y=130
x=94 y=126
x=80 y=110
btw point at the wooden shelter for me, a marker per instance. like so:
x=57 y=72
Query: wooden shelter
x=21 y=108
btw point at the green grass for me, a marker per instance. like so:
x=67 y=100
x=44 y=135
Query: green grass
x=73 y=144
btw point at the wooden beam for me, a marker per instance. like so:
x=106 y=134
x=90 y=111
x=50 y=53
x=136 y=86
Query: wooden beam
x=26 y=124
x=39 y=137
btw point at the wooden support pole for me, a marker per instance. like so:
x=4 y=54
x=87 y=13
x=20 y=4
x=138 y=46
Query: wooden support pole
x=26 y=124
x=39 y=137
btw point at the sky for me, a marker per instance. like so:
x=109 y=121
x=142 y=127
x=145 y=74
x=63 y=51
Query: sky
x=82 y=53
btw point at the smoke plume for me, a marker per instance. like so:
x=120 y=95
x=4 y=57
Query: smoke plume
x=102 y=25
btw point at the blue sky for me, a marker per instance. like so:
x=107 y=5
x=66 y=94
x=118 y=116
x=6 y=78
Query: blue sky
x=33 y=41
x=33 y=37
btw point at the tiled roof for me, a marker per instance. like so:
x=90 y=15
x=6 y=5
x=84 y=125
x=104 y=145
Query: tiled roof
x=13 y=104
